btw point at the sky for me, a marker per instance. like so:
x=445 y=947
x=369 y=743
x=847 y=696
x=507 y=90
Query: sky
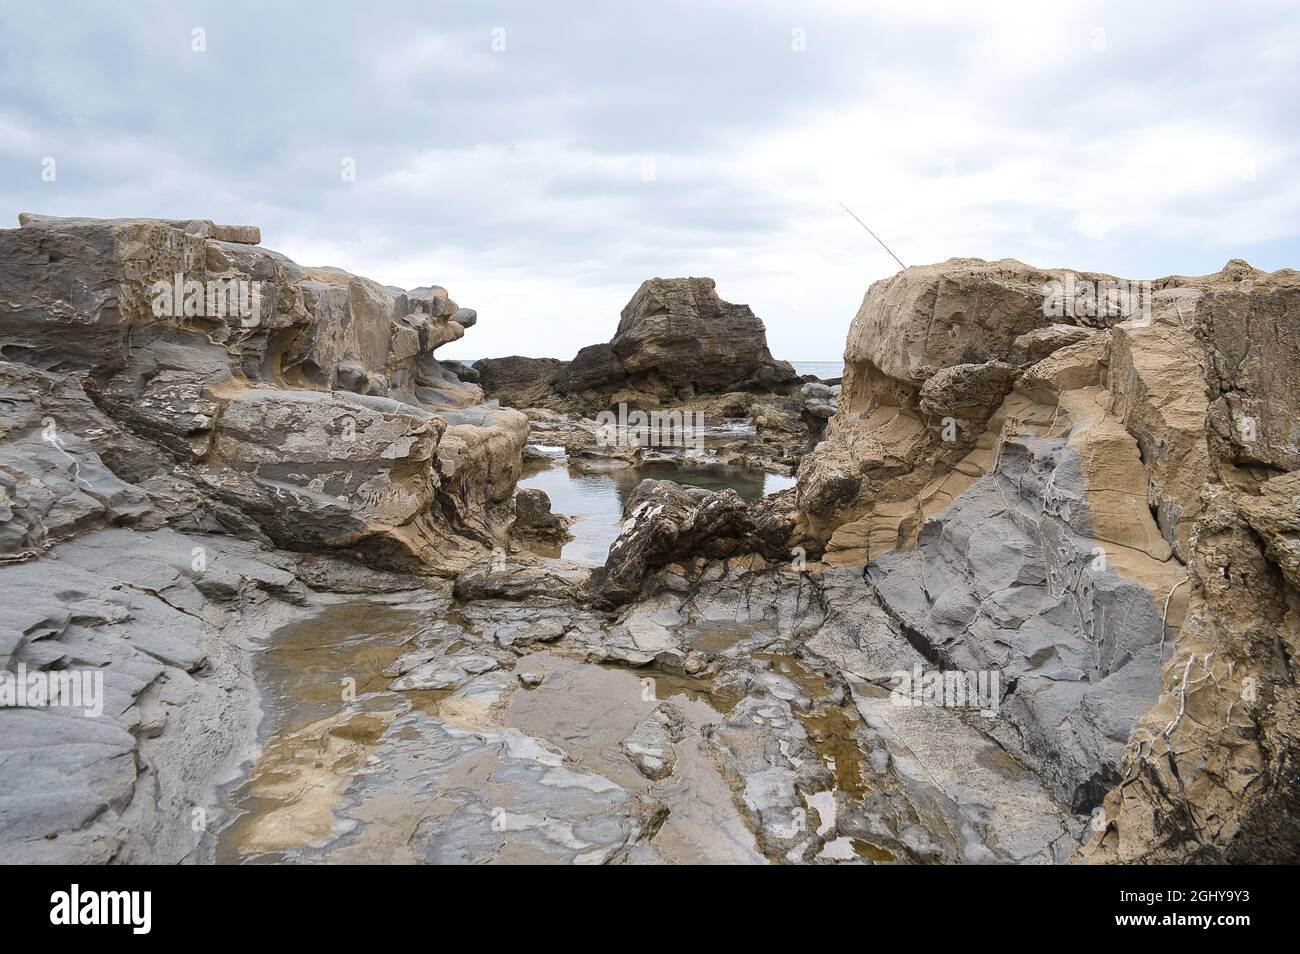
x=540 y=160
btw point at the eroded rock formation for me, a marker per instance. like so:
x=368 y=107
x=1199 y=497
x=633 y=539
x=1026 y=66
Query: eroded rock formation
x=1098 y=506
x=179 y=408
x=676 y=340
x=313 y=406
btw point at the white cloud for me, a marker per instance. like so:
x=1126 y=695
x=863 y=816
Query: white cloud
x=1135 y=141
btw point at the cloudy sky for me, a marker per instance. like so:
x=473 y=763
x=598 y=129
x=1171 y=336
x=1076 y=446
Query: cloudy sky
x=541 y=159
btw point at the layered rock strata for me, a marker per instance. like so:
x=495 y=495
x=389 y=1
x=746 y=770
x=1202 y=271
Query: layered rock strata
x=180 y=409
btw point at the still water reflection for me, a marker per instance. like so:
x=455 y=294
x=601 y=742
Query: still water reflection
x=598 y=499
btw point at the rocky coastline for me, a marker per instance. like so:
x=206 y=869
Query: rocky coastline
x=330 y=626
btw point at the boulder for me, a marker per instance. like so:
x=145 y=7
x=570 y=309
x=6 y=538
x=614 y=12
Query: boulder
x=676 y=338
x=521 y=578
x=516 y=381
x=665 y=522
x=462 y=371
x=967 y=391
x=1034 y=346
x=534 y=519
x=650 y=745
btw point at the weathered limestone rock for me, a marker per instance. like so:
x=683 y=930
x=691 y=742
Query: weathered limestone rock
x=104 y=295
x=930 y=317
x=650 y=746
x=970 y=392
x=535 y=521
x=235 y=388
x=1054 y=539
x=519 y=578
x=1034 y=346
x=1208 y=774
x=317 y=471
x=519 y=382
x=53 y=483
x=1071 y=368
x=764 y=747
x=479 y=461
x=159 y=618
x=676 y=338
x=1020 y=576
x=1275 y=515
x=139 y=429
x=1247 y=321
x=1156 y=375
x=663 y=522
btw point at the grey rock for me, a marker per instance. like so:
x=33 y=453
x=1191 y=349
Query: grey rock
x=518 y=382
x=664 y=522
x=676 y=338
x=650 y=746
x=534 y=519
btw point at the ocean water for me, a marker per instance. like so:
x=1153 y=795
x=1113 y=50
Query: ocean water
x=823 y=369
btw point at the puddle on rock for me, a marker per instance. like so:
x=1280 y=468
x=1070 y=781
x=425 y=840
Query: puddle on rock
x=596 y=500
x=831 y=731
x=489 y=772
x=589 y=710
x=315 y=738
x=716 y=637
x=301 y=671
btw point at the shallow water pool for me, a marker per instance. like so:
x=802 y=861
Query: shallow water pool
x=597 y=500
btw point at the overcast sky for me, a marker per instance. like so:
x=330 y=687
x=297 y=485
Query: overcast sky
x=540 y=160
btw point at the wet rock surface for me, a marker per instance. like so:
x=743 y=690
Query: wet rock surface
x=650 y=746
x=176 y=404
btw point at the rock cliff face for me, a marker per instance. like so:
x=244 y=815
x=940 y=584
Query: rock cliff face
x=1100 y=505
x=197 y=436
x=520 y=382
x=305 y=401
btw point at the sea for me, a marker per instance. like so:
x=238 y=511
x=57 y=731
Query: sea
x=823 y=369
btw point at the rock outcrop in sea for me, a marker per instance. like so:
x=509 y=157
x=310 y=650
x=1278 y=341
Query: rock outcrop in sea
x=676 y=341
